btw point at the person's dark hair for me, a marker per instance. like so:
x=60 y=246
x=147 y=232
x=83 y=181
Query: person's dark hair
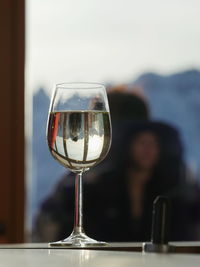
x=125 y=105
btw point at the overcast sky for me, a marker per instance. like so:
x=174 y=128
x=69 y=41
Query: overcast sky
x=109 y=40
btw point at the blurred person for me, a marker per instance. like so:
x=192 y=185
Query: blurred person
x=149 y=163
x=118 y=206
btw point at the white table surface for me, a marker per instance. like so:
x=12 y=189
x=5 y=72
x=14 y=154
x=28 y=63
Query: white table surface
x=41 y=257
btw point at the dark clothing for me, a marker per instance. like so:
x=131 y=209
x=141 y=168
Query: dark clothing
x=107 y=213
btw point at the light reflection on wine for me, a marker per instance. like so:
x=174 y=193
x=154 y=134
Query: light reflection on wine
x=79 y=139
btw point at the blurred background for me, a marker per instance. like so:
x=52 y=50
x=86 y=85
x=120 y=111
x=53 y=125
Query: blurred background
x=149 y=47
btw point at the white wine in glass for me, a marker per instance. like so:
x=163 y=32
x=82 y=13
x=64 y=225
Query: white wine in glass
x=79 y=137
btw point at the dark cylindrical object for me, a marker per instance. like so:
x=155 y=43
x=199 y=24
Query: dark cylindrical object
x=160 y=222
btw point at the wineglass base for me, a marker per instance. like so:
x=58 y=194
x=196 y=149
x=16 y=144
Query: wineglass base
x=77 y=240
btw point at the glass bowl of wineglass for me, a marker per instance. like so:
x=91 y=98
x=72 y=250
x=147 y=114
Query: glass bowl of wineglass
x=79 y=137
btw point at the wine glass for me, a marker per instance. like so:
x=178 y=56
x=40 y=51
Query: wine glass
x=79 y=137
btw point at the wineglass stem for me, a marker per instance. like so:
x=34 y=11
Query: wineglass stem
x=78 y=212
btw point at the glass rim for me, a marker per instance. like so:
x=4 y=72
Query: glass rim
x=80 y=85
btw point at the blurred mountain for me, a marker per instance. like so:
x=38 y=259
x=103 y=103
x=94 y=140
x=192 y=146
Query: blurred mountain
x=176 y=99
